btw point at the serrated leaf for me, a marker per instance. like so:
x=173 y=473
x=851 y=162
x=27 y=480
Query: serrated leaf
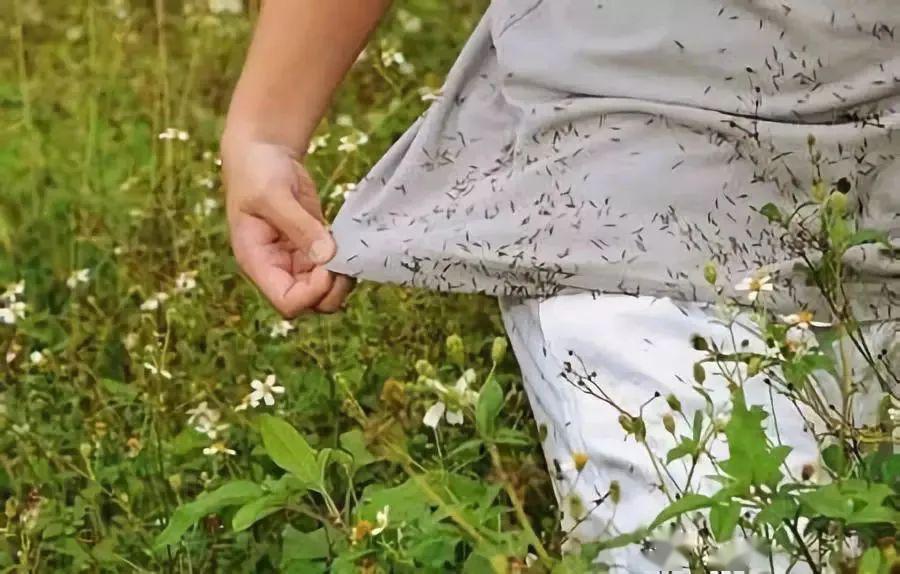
x=685 y=504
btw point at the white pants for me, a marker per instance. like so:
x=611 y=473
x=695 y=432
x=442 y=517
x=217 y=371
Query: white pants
x=635 y=347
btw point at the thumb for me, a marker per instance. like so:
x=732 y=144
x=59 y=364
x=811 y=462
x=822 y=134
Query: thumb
x=303 y=229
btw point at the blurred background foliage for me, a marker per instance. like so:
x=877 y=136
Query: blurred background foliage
x=130 y=311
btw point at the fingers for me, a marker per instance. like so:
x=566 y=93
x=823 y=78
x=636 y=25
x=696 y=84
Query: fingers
x=334 y=299
x=307 y=233
x=267 y=262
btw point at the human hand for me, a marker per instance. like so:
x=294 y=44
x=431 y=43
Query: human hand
x=278 y=233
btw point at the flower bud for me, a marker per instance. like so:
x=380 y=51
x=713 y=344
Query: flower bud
x=669 y=422
x=710 y=273
x=615 y=491
x=699 y=343
x=456 y=350
x=837 y=202
x=819 y=192
x=673 y=403
x=85 y=449
x=498 y=349
x=425 y=368
x=175 y=482
x=754 y=366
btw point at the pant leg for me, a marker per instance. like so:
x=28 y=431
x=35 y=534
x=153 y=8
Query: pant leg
x=631 y=348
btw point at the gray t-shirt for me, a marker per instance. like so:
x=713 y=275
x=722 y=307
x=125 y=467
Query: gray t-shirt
x=620 y=145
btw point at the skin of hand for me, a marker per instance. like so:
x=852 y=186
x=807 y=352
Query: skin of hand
x=301 y=51
x=278 y=233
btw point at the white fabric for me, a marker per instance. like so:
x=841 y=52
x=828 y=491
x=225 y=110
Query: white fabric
x=638 y=346
x=618 y=146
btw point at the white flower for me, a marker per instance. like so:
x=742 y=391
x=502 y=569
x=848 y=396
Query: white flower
x=409 y=22
x=154 y=301
x=381 y=520
x=390 y=57
x=36 y=357
x=263 y=391
x=754 y=285
x=174 y=134
x=202 y=411
x=80 y=276
x=433 y=414
x=344 y=120
x=13 y=292
x=316 y=144
x=15 y=311
x=894 y=414
x=406 y=68
x=130 y=341
x=210 y=428
x=154 y=370
x=465 y=395
x=459 y=396
x=206 y=420
x=803 y=320
x=7 y=317
x=185 y=281
x=351 y=143
x=207 y=181
x=219 y=448
x=206 y=207
x=281 y=329
x=800 y=339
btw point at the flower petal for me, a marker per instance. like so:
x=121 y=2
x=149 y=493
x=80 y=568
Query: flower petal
x=433 y=414
x=454 y=417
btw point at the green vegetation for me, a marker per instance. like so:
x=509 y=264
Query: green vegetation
x=156 y=415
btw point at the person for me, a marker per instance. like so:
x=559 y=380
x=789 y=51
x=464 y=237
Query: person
x=584 y=162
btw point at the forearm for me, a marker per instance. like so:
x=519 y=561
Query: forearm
x=300 y=52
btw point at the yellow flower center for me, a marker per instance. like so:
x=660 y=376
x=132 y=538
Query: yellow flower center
x=580 y=459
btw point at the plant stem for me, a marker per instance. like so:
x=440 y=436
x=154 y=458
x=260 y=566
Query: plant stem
x=518 y=507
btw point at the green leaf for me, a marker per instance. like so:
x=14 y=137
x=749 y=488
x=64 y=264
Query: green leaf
x=780 y=508
x=229 y=494
x=256 y=510
x=297 y=545
x=354 y=442
x=835 y=458
x=686 y=447
x=864 y=236
x=289 y=450
x=490 y=401
x=119 y=389
x=686 y=503
x=512 y=437
x=723 y=519
x=751 y=459
x=407 y=501
x=771 y=212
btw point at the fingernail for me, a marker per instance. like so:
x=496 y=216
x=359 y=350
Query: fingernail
x=320 y=251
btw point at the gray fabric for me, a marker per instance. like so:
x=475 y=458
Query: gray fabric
x=619 y=145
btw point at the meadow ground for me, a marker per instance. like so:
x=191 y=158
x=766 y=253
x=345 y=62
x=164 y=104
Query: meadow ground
x=128 y=360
